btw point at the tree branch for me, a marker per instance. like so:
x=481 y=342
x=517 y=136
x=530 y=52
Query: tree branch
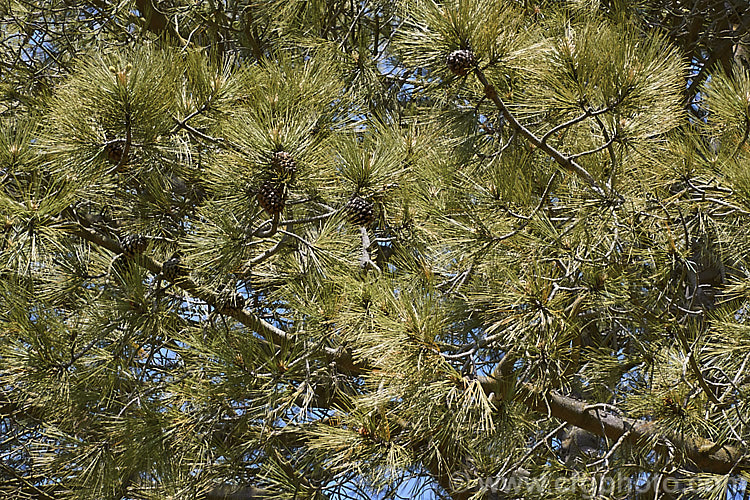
x=157 y=22
x=228 y=492
x=271 y=333
x=564 y=161
x=707 y=456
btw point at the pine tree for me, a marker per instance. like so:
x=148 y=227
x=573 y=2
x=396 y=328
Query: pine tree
x=472 y=249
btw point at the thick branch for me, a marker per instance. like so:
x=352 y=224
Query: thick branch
x=227 y=492
x=157 y=22
x=270 y=332
x=707 y=456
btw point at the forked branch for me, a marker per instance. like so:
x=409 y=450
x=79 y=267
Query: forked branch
x=567 y=162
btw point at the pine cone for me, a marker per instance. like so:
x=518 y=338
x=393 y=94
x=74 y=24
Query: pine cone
x=461 y=61
x=133 y=245
x=172 y=268
x=284 y=163
x=230 y=302
x=272 y=197
x=115 y=151
x=359 y=211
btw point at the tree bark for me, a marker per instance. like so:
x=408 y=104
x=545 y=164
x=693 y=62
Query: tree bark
x=707 y=456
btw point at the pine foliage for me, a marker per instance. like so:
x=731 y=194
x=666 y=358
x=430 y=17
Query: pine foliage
x=475 y=248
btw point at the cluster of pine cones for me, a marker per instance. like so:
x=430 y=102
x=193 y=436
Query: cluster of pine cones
x=271 y=196
x=135 y=244
x=272 y=193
